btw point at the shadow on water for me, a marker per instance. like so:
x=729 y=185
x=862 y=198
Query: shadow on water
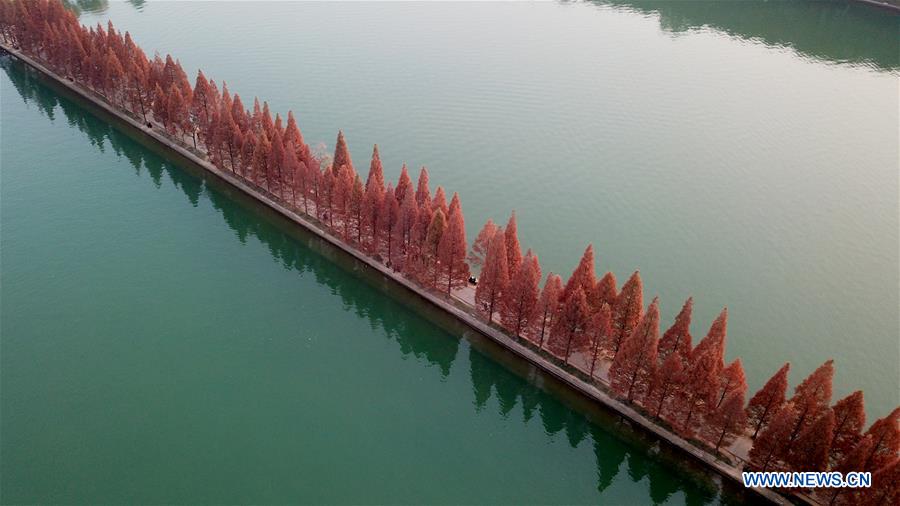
x=494 y=372
x=832 y=31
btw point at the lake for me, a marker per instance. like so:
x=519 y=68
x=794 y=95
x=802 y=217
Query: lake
x=166 y=340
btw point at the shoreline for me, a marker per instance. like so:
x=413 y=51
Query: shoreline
x=577 y=384
x=881 y=4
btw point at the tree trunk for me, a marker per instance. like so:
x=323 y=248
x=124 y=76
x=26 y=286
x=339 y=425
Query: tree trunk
x=761 y=420
x=662 y=399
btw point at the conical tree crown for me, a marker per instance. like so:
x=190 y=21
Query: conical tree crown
x=583 y=275
x=521 y=299
x=341 y=152
x=481 y=243
x=292 y=131
x=440 y=201
x=571 y=325
x=452 y=248
x=423 y=194
x=550 y=295
x=605 y=292
x=375 y=179
x=269 y=126
x=494 y=276
x=885 y=434
x=634 y=367
x=455 y=206
x=435 y=232
x=404 y=184
x=812 y=396
x=513 y=250
x=677 y=339
x=849 y=421
x=665 y=385
x=715 y=339
x=768 y=400
x=732 y=380
x=238 y=113
x=627 y=310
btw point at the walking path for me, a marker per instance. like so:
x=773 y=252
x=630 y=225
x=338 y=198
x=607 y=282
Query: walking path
x=460 y=305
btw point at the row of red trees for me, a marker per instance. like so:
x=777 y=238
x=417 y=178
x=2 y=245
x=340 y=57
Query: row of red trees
x=587 y=323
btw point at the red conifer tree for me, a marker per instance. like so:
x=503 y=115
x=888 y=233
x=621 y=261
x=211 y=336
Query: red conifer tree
x=289 y=164
x=423 y=194
x=114 y=76
x=248 y=149
x=811 y=398
x=440 y=201
x=432 y=241
x=276 y=174
x=583 y=275
x=481 y=243
x=513 y=250
x=389 y=216
x=731 y=380
x=416 y=262
x=885 y=434
x=605 y=291
x=239 y=114
x=634 y=367
x=452 y=248
x=677 y=339
x=727 y=421
x=375 y=178
x=326 y=200
x=715 y=340
x=224 y=136
x=626 y=312
x=810 y=451
x=494 y=277
x=853 y=461
x=404 y=184
x=768 y=400
x=665 y=385
x=849 y=421
x=885 y=488
x=343 y=197
x=600 y=327
x=699 y=389
x=409 y=212
x=357 y=196
x=160 y=106
x=261 y=161
x=570 y=330
x=175 y=110
x=373 y=202
x=268 y=126
x=291 y=133
x=772 y=441
x=341 y=152
x=548 y=305
x=136 y=74
x=521 y=297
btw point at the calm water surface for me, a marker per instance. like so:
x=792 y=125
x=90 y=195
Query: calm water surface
x=164 y=340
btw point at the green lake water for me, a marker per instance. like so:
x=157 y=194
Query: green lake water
x=165 y=340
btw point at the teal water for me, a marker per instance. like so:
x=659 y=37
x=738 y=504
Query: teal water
x=744 y=153
x=164 y=340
